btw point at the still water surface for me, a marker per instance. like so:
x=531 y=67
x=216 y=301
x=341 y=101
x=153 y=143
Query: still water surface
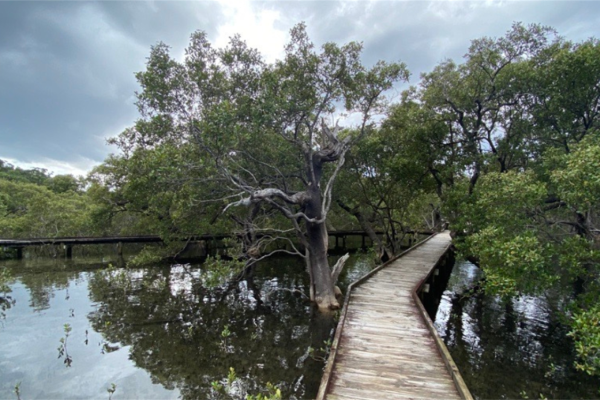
x=509 y=349
x=158 y=333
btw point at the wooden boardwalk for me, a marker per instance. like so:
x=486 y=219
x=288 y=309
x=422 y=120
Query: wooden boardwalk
x=385 y=347
x=149 y=238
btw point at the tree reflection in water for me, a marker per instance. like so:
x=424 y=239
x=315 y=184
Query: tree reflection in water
x=6 y=300
x=175 y=327
x=509 y=348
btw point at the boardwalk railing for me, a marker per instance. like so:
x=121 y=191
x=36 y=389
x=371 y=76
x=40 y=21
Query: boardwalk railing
x=353 y=372
x=151 y=238
x=69 y=242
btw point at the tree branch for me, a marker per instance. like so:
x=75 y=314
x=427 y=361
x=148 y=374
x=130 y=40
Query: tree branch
x=339 y=265
x=266 y=195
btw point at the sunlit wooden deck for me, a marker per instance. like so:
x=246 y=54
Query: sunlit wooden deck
x=385 y=347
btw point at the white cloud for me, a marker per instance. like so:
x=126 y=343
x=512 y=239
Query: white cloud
x=256 y=27
x=80 y=167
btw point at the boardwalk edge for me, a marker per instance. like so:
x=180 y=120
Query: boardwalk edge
x=451 y=366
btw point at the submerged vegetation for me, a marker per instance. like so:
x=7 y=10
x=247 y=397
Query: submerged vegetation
x=503 y=148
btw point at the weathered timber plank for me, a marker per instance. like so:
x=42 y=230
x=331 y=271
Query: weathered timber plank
x=349 y=379
x=379 y=305
x=383 y=314
x=380 y=360
x=369 y=310
x=374 y=298
x=403 y=282
x=383 y=386
x=376 y=358
x=389 y=292
x=391 y=333
x=397 y=323
x=409 y=369
x=409 y=343
x=395 y=281
x=395 y=328
x=351 y=393
x=397 y=277
x=401 y=352
x=410 y=388
x=406 y=372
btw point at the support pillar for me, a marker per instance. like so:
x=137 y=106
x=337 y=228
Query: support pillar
x=68 y=250
x=120 y=248
x=19 y=253
x=203 y=248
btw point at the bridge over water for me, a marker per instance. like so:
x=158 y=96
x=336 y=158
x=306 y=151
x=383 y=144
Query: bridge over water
x=386 y=346
x=69 y=242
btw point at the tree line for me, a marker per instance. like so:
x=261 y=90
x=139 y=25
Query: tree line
x=502 y=147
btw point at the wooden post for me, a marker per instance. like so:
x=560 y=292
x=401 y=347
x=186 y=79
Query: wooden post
x=19 y=253
x=363 y=240
x=336 y=241
x=68 y=250
x=120 y=248
x=344 y=241
x=203 y=248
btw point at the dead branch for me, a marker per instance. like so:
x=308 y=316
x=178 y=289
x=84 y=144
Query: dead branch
x=339 y=265
x=267 y=194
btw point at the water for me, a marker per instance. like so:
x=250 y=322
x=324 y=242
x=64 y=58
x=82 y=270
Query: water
x=158 y=333
x=514 y=348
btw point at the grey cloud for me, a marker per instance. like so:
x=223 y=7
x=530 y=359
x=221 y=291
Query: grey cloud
x=424 y=33
x=67 y=70
x=168 y=22
x=67 y=67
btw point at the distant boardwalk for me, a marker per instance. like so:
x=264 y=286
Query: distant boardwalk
x=384 y=348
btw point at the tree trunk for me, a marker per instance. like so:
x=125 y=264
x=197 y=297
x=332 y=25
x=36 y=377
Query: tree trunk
x=323 y=286
x=324 y=292
x=383 y=252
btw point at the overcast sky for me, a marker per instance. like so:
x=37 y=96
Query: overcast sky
x=67 y=68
